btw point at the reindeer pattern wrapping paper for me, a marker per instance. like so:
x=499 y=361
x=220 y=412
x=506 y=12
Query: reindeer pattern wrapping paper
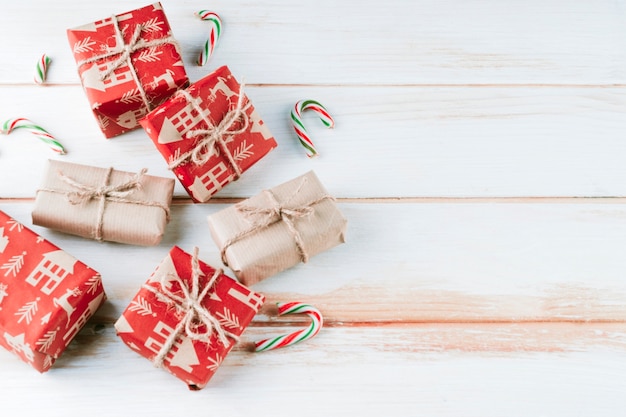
x=151 y=318
x=242 y=144
x=122 y=89
x=46 y=295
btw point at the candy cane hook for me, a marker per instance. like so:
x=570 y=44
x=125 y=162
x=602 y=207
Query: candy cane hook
x=298 y=125
x=317 y=321
x=214 y=35
x=41 y=133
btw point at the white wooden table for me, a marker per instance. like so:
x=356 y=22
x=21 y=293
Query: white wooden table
x=479 y=156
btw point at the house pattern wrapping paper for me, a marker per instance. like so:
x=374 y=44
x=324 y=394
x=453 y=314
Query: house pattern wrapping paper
x=110 y=83
x=46 y=295
x=171 y=127
x=149 y=320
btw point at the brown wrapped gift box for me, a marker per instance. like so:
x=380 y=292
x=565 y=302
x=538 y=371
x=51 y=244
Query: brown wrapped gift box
x=134 y=214
x=277 y=228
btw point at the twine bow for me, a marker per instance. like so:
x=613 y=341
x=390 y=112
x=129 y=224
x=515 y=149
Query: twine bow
x=215 y=137
x=135 y=44
x=266 y=216
x=197 y=322
x=83 y=193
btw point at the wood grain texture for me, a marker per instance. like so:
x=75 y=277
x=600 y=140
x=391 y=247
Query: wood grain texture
x=388 y=141
x=326 y=42
x=478 y=156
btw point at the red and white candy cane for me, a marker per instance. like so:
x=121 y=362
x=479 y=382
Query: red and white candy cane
x=298 y=125
x=317 y=321
x=41 y=70
x=41 y=133
x=214 y=35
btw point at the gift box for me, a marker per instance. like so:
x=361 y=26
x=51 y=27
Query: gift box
x=187 y=317
x=103 y=203
x=277 y=228
x=209 y=134
x=128 y=64
x=46 y=295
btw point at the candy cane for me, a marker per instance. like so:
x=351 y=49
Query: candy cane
x=214 y=35
x=298 y=125
x=40 y=132
x=42 y=69
x=277 y=342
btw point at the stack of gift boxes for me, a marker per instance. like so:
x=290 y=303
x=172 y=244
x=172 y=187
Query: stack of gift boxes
x=188 y=315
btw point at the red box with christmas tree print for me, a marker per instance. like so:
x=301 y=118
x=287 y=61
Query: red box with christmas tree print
x=187 y=332
x=122 y=87
x=46 y=295
x=208 y=135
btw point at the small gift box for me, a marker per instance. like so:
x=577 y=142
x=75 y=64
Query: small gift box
x=209 y=134
x=187 y=317
x=277 y=228
x=46 y=295
x=104 y=204
x=128 y=64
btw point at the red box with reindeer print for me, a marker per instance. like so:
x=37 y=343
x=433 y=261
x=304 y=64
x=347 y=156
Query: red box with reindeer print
x=209 y=134
x=46 y=295
x=159 y=319
x=128 y=64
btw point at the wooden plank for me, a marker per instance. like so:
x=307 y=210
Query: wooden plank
x=417 y=262
x=389 y=141
x=375 y=370
x=278 y=42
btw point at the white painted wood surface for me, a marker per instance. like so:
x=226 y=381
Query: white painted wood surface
x=483 y=274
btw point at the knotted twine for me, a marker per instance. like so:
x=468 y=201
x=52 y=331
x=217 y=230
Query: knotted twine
x=83 y=193
x=197 y=322
x=135 y=44
x=273 y=214
x=215 y=137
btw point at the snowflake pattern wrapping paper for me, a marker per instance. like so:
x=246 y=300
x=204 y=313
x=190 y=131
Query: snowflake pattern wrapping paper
x=277 y=228
x=151 y=319
x=121 y=89
x=46 y=295
x=179 y=125
x=100 y=203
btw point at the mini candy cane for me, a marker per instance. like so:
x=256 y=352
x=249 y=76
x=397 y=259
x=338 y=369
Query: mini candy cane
x=42 y=69
x=40 y=132
x=277 y=342
x=214 y=35
x=298 y=125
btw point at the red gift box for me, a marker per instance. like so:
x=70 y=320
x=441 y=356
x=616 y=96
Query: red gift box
x=46 y=295
x=185 y=331
x=208 y=135
x=122 y=87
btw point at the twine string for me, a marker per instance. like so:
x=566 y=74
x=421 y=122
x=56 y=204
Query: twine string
x=266 y=216
x=119 y=193
x=197 y=322
x=215 y=137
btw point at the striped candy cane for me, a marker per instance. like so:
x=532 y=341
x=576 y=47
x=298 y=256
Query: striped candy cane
x=214 y=35
x=317 y=321
x=298 y=125
x=42 y=69
x=41 y=133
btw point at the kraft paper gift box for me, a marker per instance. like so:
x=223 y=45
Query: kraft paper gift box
x=46 y=295
x=103 y=203
x=277 y=228
x=209 y=134
x=123 y=87
x=166 y=322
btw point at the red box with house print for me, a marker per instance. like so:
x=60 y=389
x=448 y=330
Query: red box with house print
x=46 y=295
x=197 y=121
x=121 y=88
x=153 y=324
